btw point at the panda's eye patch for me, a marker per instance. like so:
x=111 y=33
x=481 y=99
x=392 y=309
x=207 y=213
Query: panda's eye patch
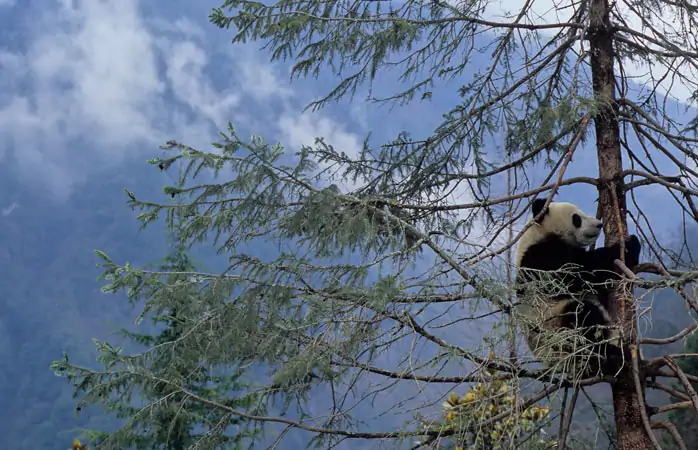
x=576 y=221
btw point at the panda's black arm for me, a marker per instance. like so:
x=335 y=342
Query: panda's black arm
x=603 y=257
x=553 y=253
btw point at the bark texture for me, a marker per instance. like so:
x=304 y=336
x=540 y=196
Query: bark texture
x=627 y=401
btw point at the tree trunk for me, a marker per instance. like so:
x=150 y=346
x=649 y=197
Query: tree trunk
x=627 y=404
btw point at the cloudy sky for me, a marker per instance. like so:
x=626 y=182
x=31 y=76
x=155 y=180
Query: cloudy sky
x=88 y=83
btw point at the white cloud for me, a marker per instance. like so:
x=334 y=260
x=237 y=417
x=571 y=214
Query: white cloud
x=7 y=210
x=185 y=72
x=299 y=130
x=106 y=61
x=84 y=91
x=181 y=25
x=260 y=79
x=96 y=83
x=302 y=129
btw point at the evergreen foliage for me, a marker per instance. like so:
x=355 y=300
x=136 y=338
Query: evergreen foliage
x=150 y=391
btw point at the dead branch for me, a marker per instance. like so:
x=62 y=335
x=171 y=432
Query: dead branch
x=669 y=390
x=662 y=409
x=663 y=341
x=656 y=270
x=672 y=431
x=640 y=395
x=660 y=180
x=684 y=380
x=648 y=182
x=621 y=265
x=662 y=373
x=566 y=419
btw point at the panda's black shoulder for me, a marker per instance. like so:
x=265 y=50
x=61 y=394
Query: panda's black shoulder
x=551 y=253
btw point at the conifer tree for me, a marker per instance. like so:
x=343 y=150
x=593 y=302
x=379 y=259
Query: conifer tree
x=376 y=248
x=159 y=416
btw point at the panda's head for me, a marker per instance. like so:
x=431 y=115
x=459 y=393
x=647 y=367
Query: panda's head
x=566 y=221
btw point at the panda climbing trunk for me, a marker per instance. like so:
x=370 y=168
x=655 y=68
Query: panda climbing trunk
x=628 y=403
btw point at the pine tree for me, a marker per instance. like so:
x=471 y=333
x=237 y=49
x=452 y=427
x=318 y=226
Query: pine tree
x=161 y=417
x=376 y=247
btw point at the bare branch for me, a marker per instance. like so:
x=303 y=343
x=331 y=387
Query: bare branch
x=567 y=416
x=672 y=430
x=684 y=380
x=639 y=391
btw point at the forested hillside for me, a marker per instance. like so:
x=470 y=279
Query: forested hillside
x=51 y=301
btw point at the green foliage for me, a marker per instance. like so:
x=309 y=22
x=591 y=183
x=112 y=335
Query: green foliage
x=153 y=391
x=311 y=322
x=427 y=42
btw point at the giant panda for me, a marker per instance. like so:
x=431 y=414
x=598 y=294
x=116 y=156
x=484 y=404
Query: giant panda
x=565 y=315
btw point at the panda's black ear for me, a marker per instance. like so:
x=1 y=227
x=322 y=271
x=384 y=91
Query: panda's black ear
x=538 y=206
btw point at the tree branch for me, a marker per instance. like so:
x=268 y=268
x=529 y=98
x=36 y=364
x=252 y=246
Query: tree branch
x=672 y=430
x=684 y=380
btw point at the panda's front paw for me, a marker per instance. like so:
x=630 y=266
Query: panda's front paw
x=632 y=251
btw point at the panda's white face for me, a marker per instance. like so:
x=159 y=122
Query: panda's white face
x=572 y=224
